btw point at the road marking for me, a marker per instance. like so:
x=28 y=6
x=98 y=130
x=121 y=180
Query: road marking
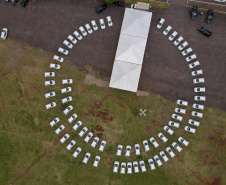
x=208 y=3
x=142 y=112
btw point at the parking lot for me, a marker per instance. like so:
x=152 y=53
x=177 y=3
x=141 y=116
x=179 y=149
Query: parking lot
x=164 y=71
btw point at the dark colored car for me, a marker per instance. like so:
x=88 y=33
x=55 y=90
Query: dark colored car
x=101 y=8
x=14 y=1
x=205 y=31
x=24 y=3
x=119 y=3
x=194 y=12
x=209 y=16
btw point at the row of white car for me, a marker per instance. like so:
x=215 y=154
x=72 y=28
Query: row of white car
x=53 y=82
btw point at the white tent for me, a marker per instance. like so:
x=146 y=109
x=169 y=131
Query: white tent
x=130 y=52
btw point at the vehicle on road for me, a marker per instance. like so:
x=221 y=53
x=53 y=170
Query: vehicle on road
x=194 y=12
x=24 y=3
x=119 y=3
x=167 y=30
x=173 y=35
x=109 y=21
x=205 y=31
x=160 y=23
x=209 y=16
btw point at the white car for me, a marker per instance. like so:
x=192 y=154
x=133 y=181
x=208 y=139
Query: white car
x=177 y=117
x=193 y=122
x=102 y=145
x=71 y=144
x=151 y=164
x=54 y=66
x=67 y=81
x=68 y=44
x=77 y=125
x=57 y=58
x=72 y=118
x=178 y=40
x=82 y=30
x=197 y=114
x=59 y=129
x=146 y=146
x=50 y=94
x=137 y=149
x=173 y=35
x=119 y=150
x=95 y=141
x=157 y=160
x=83 y=131
x=170 y=152
x=163 y=155
x=96 y=161
x=54 y=121
x=66 y=90
x=186 y=51
x=78 y=36
x=162 y=137
x=198 y=106
x=4 y=33
x=50 y=105
x=88 y=28
x=220 y=1
x=167 y=30
x=173 y=124
x=199 y=98
x=86 y=157
x=154 y=142
x=116 y=166
x=77 y=152
x=67 y=99
x=199 y=89
x=135 y=166
x=194 y=64
x=109 y=21
x=183 y=141
x=64 y=138
x=160 y=23
x=179 y=110
x=191 y=57
x=182 y=102
x=50 y=82
x=183 y=45
x=189 y=129
x=72 y=39
x=197 y=72
x=94 y=25
x=68 y=109
x=88 y=137
x=63 y=51
x=128 y=149
x=129 y=168
x=142 y=166
x=176 y=146
x=102 y=24
x=123 y=168
x=167 y=129
x=198 y=80
x=49 y=74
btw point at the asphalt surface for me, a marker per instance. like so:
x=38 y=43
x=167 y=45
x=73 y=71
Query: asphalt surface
x=45 y=24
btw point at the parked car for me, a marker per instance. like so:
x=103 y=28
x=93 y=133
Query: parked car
x=88 y=28
x=157 y=160
x=167 y=30
x=162 y=137
x=4 y=33
x=49 y=74
x=199 y=98
x=163 y=155
x=123 y=168
x=64 y=138
x=193 y=64
x=135 y=166
x=50 y=82
x=116 y=166
x=183 y=141
x=66 y=100
x=179 y=110
x=151 y=164
x=173 y=35
x=173 y=124
x=14 y=2
x=154 y=142
x=189 y=129
x=77 y=125
x=96 y=161
x=194 y=12
x=142 y=166
x=78 y=36
x=167 y=129
x=59 y=129
x=63 y=51
x=197 y=72
x=137 y=149
x=94 y=25
x=197 y=114
x=54 y=66
x=66 y=90
x=72 y=39
x=77 y=152
x=146 y=146
x=170 y=152
x=102 y=24
x=24 y=3
x=198 y=106
x=193 y=122
x=54 y=121
x=57 y=58
x=119 y=150
x=183 y=45
x=109 y=21
x=86 y=158
x=177 y=117
x=101 y=8
x=199 y=89
x=50 y=94
x=102 y=145
x=209 y=16
x=72 y=118
x=176 y=146
x=119 y=3
x=128 y=150
x=178 y=40
x=67 y=81
x=191 y=57
x=182 y=102
x=186 y=51
x=50 y=105
x=68 y=44
x=205 y=31
x=220 y=1
x=71 y=144
x=129 y=168
x=160 y=23
x=95 y=141
x=83 y=31
x=198 y=80
x=88 y=137
x=83 y=131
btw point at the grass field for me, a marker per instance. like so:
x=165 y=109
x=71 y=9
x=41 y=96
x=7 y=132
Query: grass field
x=32 y=154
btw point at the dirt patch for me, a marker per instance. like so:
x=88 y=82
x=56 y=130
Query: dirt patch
x=89 y=79
x=98 y=131
x=142 y=93
x=216 y=181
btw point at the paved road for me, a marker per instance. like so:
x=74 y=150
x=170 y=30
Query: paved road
x=164 y=71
